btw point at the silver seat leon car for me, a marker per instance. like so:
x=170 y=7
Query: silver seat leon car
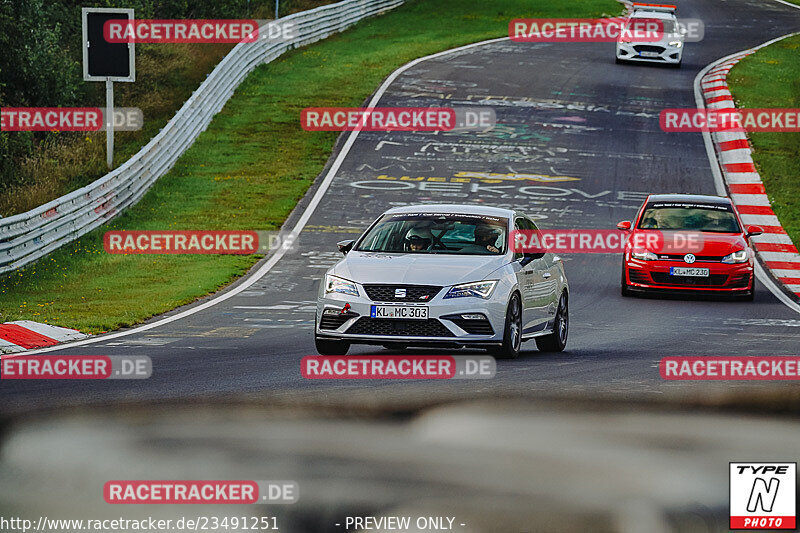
x=443 y=276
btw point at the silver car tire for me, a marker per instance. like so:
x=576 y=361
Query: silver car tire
x=557 y=341
x=512 y=332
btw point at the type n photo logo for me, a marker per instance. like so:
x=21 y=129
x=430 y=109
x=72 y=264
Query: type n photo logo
x=763 y=495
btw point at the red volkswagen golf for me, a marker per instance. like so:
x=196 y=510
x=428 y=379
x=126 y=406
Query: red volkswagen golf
x=685 y=242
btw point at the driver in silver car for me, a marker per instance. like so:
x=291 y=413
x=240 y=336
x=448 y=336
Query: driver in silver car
x=418 y=239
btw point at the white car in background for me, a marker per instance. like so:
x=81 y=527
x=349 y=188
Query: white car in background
x=443 y=276
x=668 y=49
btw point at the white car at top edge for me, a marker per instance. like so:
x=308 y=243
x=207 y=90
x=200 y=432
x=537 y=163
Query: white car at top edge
x=667 y=50
x=443 y=276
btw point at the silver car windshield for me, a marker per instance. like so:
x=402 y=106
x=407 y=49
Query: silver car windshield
x=435 y=233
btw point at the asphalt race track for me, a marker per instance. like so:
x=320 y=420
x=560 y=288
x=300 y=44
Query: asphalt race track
x=566 y=110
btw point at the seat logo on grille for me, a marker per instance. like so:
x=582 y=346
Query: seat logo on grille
x=689 y=258
x=399 y=293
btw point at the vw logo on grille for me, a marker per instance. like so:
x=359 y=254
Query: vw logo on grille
x=689 y=258
x=399 y=293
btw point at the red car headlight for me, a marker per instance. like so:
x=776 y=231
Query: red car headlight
x=739 y=256
x=644 y=255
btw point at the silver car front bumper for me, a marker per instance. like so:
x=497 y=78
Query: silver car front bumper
x=445 y=323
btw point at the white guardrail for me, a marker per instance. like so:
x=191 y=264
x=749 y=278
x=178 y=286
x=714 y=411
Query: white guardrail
x=26 y=237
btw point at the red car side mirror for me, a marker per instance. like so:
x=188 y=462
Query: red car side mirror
x=625 y=225
x=752 y=231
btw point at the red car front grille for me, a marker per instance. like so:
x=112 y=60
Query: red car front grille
x=714 y=280
x=701 y=258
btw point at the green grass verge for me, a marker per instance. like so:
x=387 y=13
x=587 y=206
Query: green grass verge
x=251 y=166
x=771 y=78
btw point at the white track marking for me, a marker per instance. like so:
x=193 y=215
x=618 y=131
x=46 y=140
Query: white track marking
x=784 y=2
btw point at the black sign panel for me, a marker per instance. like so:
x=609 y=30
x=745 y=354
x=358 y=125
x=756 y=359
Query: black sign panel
x=104 y=59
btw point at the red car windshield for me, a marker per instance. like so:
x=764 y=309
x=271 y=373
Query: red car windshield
x=691 y=217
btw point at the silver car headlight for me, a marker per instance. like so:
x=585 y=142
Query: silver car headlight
x=739 y=256
x=676 y=44
x=336 y=284
x=479 y=289
x=644 y=255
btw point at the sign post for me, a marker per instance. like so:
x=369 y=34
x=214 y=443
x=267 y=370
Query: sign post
x=108 y=62
x=109 y=118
